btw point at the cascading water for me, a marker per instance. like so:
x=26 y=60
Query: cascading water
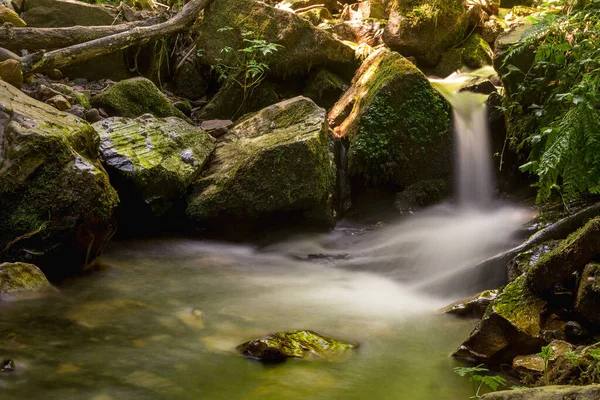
x=473 y=175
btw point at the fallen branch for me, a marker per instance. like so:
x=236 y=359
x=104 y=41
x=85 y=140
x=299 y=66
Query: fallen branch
x=56 y=38
x=136 y=36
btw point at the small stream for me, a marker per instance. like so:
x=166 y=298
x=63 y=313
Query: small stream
x=161 y=318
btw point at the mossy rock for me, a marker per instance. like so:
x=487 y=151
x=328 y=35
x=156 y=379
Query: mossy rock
x=588 y=294
x=421 y=194
x=523 y=261
x=8 y=15
x=325 y=88
x=296 y=344
x=275 y=161
x=316 y=15
x=510 y=326
x=474 y=53
x=21 y=277
x=424 y=30
x=152 y=161
x=304 y=46
x=398 y=126
x=57 y=203
x=473 y=306
x=134 y=97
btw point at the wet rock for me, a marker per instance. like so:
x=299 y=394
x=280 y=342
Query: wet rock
x=10 y=16
x=57 y=203
x=510 y=326
x=396 y=123
x=588 y=295
x=522 y=262
x=414 y=29
x=134 y=97
x=21 y=277
x=216 y=127
x=59 y=102
x=276 y=160
x=481 y=87
x=61 y=13
x=10 y=72
x=473 y=306
x=369 y=32
x=295 y=344
x=420 y=195
x=570 y=256
x=325 y=88
x=304 y=46
x=152 y=161
x=591 y=392
x=534 y=365
x=7 y=366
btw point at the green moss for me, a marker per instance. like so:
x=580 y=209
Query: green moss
x=21 y=277
x=477 y=52
x=519 y=306
x=134 y=97
x=400 y=119
x=296 y=344
x=324 y=87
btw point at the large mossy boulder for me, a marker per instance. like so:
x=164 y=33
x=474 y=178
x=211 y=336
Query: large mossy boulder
x=304 y=46
x=524 y=260
x=398 y=126
x=474 y=53
x=511 y=326
x=134 y=97
x=57 y=203
x=591 y=392
x=425 y=30
x=296 y=344
x=275 y=161
x=152 y=161
x=21 y=277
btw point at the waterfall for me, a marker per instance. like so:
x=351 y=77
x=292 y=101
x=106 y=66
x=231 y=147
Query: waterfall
x=473 y=163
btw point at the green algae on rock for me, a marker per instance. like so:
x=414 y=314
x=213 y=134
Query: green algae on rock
x=277 y=160
x=57 y=202
x=510 y=326
x=398 y=126
x=134 y=97
x=21 y=277
x=296 y=344
x=423 y=30
x=152 y=160
x=304 y=46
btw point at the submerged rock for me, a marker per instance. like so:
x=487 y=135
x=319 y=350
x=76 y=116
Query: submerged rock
x=473 y=306
x=304 y=46
x=398 y=126
x=277 y=160
x=152 y=161
x=134 y=97
x=21 y=277
x=591 y=392
x=511 y=326
x=295 y=344
x=57 y=203
x=425 y=31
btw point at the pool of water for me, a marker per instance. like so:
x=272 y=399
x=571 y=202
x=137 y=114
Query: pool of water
x=160 y=319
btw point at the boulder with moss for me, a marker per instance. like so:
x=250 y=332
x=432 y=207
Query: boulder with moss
x=134 y=97
x=278 y=347
x=511 y=326
x=425 y=29
x=524 y=260
x=8 y=15
x=398 y=126
x=152 y=161
x=57 y=203
x=21 y=277
x=316 y=15
x=325 y=88
x=474 y=53
x=275 y=161
x=303 y=45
